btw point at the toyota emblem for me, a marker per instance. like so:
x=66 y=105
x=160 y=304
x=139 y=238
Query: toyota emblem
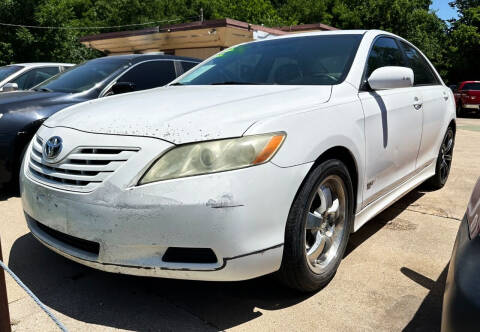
x=52 y=147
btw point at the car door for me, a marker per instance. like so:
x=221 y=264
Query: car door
x=150 y=74
x=393 y=125
x=435 y=99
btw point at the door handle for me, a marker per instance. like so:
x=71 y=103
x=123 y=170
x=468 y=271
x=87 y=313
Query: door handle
x=416 y=103
x=445 y=95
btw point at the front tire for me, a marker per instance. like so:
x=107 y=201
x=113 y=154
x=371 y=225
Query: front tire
x=444 y=161
x=318 y=228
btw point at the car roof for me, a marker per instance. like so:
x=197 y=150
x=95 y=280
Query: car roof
x=373 y=32
x=42 y=64
x=134 y=58
x=463 y=82
x=325 y=33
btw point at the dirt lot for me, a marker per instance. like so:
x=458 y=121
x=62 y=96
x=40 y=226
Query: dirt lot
x=392 y=277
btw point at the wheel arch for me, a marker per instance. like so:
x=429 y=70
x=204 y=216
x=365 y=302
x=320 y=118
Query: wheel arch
x=346 y=156
x=24 y=136
x=453 y=124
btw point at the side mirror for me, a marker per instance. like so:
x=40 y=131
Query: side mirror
x=10 y=87
x=391 y=77
x=122 y=87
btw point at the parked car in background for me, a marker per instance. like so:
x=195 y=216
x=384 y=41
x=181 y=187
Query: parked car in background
x=264 y=158
x=23 y=76
x=467 y=97
x=22 y=112
x=461 y=303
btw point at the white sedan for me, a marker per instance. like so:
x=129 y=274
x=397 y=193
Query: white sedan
x=264 y=158
x=23 y=76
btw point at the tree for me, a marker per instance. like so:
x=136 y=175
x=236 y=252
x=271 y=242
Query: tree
x=453 y=49
x=464 y=41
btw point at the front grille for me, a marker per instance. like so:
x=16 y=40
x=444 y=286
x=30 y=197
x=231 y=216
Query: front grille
x=85 y=245
x=83 y=169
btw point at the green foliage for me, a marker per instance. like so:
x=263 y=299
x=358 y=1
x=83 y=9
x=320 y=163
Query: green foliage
x=464 y=41
x=452 y=47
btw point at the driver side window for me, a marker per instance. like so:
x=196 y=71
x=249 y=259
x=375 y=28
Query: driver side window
x=385 y=52
x=34 y=77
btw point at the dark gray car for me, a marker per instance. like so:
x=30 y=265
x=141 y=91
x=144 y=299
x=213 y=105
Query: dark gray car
x=22 y=112
x=461 y=303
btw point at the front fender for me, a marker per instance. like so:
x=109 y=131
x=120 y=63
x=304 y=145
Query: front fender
x=313 y=132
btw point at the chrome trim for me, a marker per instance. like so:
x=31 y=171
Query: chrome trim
x=81 y=170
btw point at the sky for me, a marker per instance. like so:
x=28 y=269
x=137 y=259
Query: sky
x=444 y=11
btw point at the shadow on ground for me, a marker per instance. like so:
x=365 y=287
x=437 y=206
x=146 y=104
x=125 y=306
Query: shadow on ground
x=429 y=315
x=470 y=115
x=6 y=193
x=383 y=219
x=137 y=303
x=142 y=304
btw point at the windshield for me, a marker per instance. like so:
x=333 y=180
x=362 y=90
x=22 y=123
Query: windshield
x=7 y=71
x=82 y=77
x=471 y=86
x=311 y=60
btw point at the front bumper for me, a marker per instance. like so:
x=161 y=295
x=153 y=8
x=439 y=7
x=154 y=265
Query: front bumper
x=461 y=303
x=240 y=215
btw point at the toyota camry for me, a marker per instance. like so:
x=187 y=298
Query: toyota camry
x=262 y=159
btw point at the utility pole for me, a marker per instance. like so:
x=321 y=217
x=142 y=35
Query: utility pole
x=201 y=14
x=4 y=314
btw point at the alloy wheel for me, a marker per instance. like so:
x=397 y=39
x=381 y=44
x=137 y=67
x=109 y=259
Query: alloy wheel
x=325 y=223
x=446 y=152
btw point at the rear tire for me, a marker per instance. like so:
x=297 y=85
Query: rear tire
x=444 y=161
x=318 y=228
x=460 y=111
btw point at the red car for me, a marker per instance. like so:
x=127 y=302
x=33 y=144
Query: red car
x=467 y=97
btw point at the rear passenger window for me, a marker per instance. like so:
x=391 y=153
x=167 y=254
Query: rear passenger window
x=385 y=52
x=423 y=73
x=188 y=65
x=150 y=74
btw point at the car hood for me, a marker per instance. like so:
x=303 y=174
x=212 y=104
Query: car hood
x=27 y=101
x=183 y=114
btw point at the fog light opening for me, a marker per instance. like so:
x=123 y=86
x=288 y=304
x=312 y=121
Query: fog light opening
x=189 y=255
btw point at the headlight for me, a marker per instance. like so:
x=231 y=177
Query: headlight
x=214 y=156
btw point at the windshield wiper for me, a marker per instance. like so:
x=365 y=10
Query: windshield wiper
x=43 y=90
x=233 y=83
x=176 y=84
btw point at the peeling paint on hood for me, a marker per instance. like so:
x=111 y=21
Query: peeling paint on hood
x=182 y=114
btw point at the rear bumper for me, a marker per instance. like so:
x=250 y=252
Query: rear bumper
x=461 y=303
x=472 y=106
